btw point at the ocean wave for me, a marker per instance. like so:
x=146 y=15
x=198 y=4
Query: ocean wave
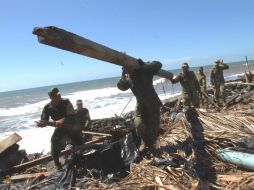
x=159 y=81
x=91 y=96
x=233 y=76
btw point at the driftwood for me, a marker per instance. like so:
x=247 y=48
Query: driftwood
x=9 y=141
x=241 y=83
x=96 y=133
x=22 y=177
x=210 y=100
x=22 y=167
x=196 y=144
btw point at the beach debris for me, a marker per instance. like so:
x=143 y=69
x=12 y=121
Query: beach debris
x=242 y=159
x=68 y=41
x=188 y=156
x=22 y=167
x=22 y=177
x=10 y=155
x=96 y=133
x=9 y=141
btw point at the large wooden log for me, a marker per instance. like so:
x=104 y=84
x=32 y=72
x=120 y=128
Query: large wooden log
x=68 y=41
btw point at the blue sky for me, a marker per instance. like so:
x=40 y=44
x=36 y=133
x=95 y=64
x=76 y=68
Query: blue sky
x=171 y=31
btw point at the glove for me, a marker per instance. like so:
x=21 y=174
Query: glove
x=140 y=61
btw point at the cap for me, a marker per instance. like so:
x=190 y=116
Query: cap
x=78 y=102
x=185 y=65
x=217 y=62
x=53 y=92
x=201 y=68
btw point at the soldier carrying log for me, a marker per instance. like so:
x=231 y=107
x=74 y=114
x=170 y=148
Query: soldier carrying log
x=147 y=113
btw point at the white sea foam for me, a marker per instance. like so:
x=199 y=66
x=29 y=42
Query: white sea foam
x=102 y=103
x=89 y=95
x=159 y=81
x=233 y=77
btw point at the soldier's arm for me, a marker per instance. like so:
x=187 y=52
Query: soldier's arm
x=88 y=120
x=204 y=82
x=44 y=118
x=224 y=66
x=153 y=67
x=176 y=79
x=212 y=78
x=45 y=114
x=70 y=109
x=196 y=82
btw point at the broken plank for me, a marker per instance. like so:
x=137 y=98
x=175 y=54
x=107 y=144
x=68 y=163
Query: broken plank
x=96 y=133
x=26 y=165
x=9 y=141
x=22 y=177
x=234 y=177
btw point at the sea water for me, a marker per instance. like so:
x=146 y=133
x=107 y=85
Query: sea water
x=20 y=109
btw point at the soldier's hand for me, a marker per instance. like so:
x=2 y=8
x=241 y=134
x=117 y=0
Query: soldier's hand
x=59 y=123
x=41 y=123
x=170 y=76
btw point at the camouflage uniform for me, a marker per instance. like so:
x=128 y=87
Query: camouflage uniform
x=61 y=134
x=147 y=113
x=83 y=117
x=217 y=80
x=202 y=83
x=190 y=88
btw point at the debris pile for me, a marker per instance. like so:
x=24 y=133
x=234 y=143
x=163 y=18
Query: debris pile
x=10 y=155
x=196 y=151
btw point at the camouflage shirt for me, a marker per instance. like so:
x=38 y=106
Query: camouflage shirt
x=141 y=84
x=188 y=82
x=202 y=81
x=83 y=118
x=217 y=74
x=62 y=110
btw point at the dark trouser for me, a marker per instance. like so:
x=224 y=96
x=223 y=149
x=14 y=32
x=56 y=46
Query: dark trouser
x=219 y=92
x=203 y=99
x=147 y=122
x=191 y=98
x=59 y=136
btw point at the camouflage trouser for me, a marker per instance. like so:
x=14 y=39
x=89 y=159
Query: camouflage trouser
x=190 y=98
x=59 y=138
x=203 y=99
x=219 y=92
x=147 y=122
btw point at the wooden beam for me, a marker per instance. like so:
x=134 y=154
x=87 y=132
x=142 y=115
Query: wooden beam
x=68 y=41
x=9 y=141
x=97 y=134
x=22 y=177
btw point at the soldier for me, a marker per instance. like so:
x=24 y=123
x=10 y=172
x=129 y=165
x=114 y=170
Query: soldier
x=83 y=115
x=202 y=83
x=62 y=113
x=190 y=87
x=147 y=113
x=218 y=81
